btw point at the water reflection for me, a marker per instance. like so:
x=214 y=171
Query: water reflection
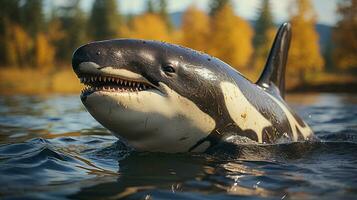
x=50 y=147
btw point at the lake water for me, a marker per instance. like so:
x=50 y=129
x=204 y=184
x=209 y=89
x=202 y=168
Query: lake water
x=51 y=148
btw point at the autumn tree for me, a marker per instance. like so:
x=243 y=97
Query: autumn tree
x=264 y=34
x=44 y=52
x=147 y=26
x=195 y=28
x=159 y=7
x=305 y=56
x=18 y=45
x=22 y=21
x=345 y=35
x=104 y=20
x=230 y=37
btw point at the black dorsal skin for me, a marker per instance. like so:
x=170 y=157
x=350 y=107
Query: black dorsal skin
x=274 y=71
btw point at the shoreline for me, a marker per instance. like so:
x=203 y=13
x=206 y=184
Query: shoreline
x=63 y=81
x=347 y=88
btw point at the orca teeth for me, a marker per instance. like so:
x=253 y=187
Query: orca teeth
x=111 y=84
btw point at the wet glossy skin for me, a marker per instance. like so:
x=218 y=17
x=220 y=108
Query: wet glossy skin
x=207 y=83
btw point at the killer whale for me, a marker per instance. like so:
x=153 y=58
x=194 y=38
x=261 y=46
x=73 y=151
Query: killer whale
x=168 y=98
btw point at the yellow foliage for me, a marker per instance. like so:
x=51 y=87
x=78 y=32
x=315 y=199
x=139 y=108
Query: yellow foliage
x=18 y=45
x=34 y=81
x=176 y=36
x=44 y=52
x=195 y=29
x=55 y=31
x=305 y=56
x=230 y=37
x=147 y=26
x=22 y=51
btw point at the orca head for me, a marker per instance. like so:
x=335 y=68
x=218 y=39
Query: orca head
x=153 y=94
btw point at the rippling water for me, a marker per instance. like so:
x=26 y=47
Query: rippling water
x=51 y=148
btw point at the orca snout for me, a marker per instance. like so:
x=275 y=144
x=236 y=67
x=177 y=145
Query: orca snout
x=80 y=55
x=123 y=53
x=101 y=53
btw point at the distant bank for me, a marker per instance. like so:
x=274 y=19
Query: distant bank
x=328 y=87
x=64 y=81
x=34 y=81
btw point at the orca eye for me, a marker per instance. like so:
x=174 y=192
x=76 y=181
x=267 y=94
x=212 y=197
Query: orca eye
x=168 y=69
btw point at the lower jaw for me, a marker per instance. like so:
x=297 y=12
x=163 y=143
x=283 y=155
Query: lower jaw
x=88 y=93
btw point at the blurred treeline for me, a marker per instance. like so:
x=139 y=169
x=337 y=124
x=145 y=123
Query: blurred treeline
x=35 y=39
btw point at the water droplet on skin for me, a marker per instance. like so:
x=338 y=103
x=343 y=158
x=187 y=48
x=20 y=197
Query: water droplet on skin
x=285 y=134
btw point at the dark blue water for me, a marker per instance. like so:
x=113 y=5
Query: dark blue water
x=51 y=148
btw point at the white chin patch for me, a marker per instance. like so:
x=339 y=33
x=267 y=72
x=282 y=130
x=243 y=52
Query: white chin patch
x=151 y=121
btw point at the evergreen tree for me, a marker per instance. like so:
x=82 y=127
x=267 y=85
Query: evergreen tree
x=150 y=7
x=104 y=20
x=328 y=56
x=73 y=19
x=10 y=11
x=264 y=34
x=305 y=56
x=32 y=17
x=345 y=35
x=9 y=14
x=216 y=5
x=164 y=14
x=263 y=25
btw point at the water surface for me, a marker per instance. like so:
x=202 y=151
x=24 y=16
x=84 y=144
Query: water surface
x=51 y=148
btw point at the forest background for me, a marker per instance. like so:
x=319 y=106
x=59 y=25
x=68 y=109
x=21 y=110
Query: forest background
x=36 y=46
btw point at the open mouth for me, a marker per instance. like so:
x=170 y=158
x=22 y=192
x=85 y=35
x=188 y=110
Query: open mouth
x=107 y=83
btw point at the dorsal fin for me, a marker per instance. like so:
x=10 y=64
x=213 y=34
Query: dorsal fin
x=273 y=75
